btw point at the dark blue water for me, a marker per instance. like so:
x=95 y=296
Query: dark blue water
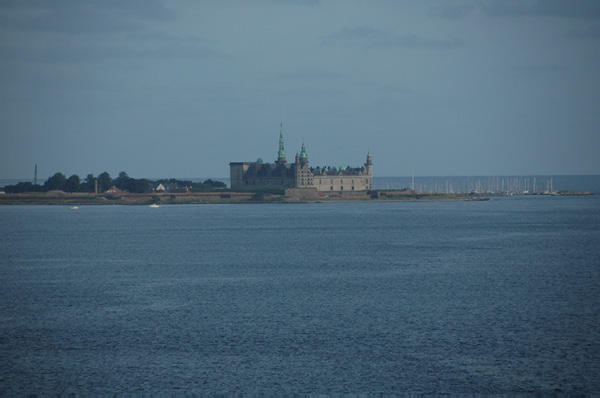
x=459 y=297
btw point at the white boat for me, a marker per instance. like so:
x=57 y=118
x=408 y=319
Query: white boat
x=74 y=208
x=154 y=205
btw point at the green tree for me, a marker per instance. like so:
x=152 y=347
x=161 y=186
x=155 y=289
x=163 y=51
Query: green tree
x=56 y=182
x=22 y=187
x=89 y=184
x=215 y=184
x=121 y=181
x=72 y=183
x=104 y=182
x=138 y=186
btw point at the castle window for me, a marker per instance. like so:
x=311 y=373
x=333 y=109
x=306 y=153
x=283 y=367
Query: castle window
x=331 y=188
x=353 y=187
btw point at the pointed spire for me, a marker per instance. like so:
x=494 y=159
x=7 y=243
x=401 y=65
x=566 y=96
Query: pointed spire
x=303 y=154
x=281 y=153
x=369 y=160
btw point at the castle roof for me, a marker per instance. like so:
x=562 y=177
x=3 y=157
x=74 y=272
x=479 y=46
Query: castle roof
x=281 y=152
x=303 y=154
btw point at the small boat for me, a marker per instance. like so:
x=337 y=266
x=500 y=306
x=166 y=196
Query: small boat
x=74 y=208
x=154 y=205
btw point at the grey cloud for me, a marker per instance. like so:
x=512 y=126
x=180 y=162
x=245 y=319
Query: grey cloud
x=313 y=93
x=311 y=74
x=360 y=33
x=538 y=71
x=153 y=10
x=82 y=17
x=136 y=9
x=546 y=8
x=81 y=53
x=451 y=11
x=178 y=51
x=395 y=90
x=411 y=40
x=392 y=95
x=60 y=53
x=296 y=2
x=584 y=33
x=161 y=36
x=373 y=38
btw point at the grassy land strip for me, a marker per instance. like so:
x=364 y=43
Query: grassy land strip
x=71 y=199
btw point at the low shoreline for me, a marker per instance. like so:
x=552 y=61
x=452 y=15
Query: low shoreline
x=226 y=197
x=77 y=199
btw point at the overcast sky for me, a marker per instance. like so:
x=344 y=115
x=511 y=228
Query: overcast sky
x=182 y=88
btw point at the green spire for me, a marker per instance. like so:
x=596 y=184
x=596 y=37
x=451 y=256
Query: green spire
x=281 y=153
x=303 y=154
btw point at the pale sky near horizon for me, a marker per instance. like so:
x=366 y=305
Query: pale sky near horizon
x=182 y=88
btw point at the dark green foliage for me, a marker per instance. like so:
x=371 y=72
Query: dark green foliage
x=137 y=186
x=214 y=184
x=88 y=185
x=72 y=184
x=208 y=185
x=121 y=181
x=104 y=182
x=175 y=181
x=23 y=187
x=56 y=182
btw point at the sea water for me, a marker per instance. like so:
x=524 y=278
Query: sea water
x=500 y=296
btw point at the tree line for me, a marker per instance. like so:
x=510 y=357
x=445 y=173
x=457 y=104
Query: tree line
x=59 y=182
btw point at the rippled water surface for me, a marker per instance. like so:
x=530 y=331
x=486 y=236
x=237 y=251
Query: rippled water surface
x=457 y=297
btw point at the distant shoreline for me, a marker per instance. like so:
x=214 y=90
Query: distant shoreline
x=449 y=184
x=227 y=197
x=72 y=199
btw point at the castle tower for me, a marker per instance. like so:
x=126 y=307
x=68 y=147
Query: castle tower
x=369 y=164
x=303 y=155
x=369 y=171
x=281 y=153
x=304 y=176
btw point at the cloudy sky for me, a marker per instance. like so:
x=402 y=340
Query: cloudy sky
x=181 y=88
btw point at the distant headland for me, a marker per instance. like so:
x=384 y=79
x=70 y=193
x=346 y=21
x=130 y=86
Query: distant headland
x=103 y=190
x=260 y=182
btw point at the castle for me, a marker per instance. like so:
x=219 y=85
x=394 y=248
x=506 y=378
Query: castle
x=281 y=174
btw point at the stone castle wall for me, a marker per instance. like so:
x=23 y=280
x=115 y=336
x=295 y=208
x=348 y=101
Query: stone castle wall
x=343 y=183
x=256 y=175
